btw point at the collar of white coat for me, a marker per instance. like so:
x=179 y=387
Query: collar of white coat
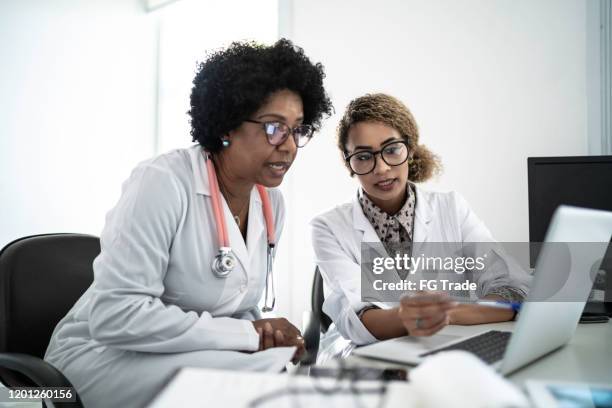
x=200 y=174
x=422 y=218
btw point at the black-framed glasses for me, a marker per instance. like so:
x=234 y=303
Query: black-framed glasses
x=364 y=161
x=278 y=132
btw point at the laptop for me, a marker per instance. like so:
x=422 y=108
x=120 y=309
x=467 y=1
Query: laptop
x=541 y=326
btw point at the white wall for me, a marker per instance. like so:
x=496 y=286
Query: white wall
x=594 y=76
x=490 y=82
x=76 y=110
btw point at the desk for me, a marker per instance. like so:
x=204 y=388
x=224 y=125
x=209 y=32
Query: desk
x=587 y=357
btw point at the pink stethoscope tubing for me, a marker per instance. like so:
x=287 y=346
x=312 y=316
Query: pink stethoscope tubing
x=225 y=261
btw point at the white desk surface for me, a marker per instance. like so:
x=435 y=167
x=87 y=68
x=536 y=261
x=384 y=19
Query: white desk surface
x=586 y=358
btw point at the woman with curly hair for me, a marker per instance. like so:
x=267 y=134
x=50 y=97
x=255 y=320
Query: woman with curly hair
x=186 y=253
x=379 y=142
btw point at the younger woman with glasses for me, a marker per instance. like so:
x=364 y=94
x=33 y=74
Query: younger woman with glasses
x=379 y=142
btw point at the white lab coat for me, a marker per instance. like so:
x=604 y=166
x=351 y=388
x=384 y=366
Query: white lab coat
x=155 y=304
x=439 y=217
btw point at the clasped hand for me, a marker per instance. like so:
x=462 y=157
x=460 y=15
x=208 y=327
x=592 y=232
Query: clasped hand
x=279 y=332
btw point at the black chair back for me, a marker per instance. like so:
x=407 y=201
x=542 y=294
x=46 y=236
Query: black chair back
x=41 y=278
x=316 y=300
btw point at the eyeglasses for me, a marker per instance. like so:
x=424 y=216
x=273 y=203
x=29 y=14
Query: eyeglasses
x=346 y=384
x=364 y=161
x=278 y=132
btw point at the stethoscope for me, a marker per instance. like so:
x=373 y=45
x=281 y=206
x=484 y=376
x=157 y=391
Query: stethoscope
x=225 y=261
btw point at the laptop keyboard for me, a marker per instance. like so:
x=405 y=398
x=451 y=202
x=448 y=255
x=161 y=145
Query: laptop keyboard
x=489 y=346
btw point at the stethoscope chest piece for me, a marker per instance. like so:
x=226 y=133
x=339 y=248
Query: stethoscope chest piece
x=224 y=263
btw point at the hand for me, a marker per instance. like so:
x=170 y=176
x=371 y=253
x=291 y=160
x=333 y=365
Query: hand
x=279 y=333
x=425 y=313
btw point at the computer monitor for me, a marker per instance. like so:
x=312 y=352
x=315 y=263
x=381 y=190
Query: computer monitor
x=582 y=181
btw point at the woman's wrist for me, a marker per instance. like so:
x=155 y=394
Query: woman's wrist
x=383 y=323
x=475 y=314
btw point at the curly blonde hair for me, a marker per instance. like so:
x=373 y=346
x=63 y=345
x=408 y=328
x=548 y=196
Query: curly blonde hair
x=390 y=111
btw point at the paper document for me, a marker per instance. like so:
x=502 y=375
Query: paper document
x=197 y=387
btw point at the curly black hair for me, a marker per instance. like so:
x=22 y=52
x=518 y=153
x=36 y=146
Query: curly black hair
x=235 y=82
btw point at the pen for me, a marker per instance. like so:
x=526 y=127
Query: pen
x=514 y=306
x=500 y=304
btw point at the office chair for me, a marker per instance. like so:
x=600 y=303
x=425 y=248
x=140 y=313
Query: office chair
x=317 y=321
x=41 y=277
